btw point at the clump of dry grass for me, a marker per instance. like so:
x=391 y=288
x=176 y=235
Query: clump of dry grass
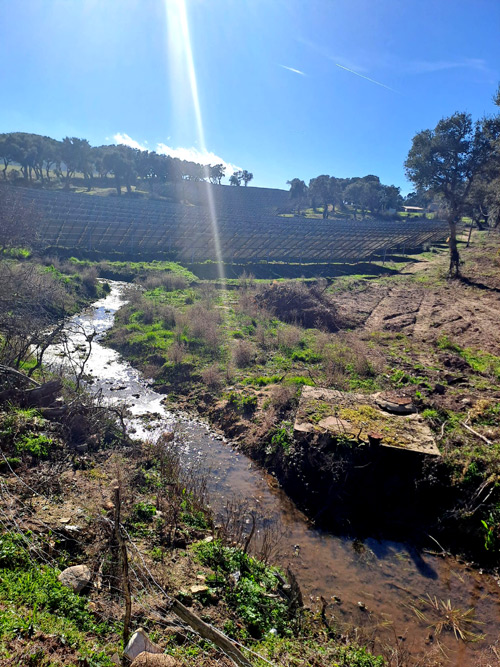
x=177 y=352
x=440 y=615
x=212 y=377
x=243 y=353
x=283 y=397
x=344 y=357
x=168 y=281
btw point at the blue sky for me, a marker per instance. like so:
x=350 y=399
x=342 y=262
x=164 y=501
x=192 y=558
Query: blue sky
x=283 y=88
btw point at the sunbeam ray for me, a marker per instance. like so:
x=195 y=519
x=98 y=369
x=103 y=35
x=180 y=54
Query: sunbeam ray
x=178 y=30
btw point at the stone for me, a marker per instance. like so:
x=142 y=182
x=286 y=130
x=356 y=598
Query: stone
x=328 y=413
x=399 y=405
x=199 y=590
x=140 y=643
x=146 y=659
x=76 y=577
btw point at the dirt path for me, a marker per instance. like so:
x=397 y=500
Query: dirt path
x=467 y=311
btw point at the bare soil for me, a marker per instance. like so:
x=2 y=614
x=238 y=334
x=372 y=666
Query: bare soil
x=422 y=304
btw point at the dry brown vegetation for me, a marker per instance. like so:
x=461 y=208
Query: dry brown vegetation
x=298 y=303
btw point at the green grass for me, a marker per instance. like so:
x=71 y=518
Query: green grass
x=33 y=601
x=36 y=445
x=252 y=593
x=137 y=268
x=479 y=360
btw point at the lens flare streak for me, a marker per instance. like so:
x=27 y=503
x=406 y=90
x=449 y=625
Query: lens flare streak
x=178 y=29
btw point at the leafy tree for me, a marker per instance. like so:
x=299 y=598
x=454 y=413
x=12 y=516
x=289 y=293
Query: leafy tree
x=298 y=192
x=7 y=151
x=246 y=177
x=390 y=197
x=235 y=179
x=446 y=161
x=75 y=154
x=320 y=190
x=120 y=161
x=216 y=173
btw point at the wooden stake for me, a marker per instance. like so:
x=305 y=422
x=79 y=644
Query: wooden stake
x=124 y=565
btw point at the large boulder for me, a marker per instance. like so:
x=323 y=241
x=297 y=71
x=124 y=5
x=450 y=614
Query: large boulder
x=76 y=577
x=146 y=659
x=139 y=643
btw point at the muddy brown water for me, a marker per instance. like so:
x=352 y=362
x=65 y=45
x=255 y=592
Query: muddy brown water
x=371 y=586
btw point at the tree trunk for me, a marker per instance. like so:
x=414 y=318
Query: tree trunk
x=454 y=271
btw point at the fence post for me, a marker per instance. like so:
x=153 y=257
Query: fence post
x=124 y=567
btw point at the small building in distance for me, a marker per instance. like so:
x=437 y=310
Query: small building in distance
x=413 y=209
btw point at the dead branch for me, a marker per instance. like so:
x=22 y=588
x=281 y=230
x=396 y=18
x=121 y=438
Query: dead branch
x=210 y=633
x=482 y=437
x=12 y=371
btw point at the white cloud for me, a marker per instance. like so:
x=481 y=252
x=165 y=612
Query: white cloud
x=292 y=69
x=128 y=141
x=189 y=154
x=195 y=155
x=424 y=66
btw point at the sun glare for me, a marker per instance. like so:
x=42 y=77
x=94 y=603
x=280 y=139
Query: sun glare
x=181 y=61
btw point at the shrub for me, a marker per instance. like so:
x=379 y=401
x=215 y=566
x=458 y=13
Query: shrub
x=176 y=352
x=167 y=316
x=212 y=377
x=36 y=445
x=243 y=353
x=242 y=403
x=143 y=513
x=203 y=324
x=282 y=438
x=253 y=593
x=89 y=280
x=289 y=337
x=294 y=302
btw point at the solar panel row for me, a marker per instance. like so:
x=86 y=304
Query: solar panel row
x=240 y=233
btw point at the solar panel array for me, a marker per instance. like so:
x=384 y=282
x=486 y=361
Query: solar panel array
x=235 y=233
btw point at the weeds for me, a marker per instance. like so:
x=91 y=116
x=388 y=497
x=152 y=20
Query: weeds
x=440 y=615
x=248 y=586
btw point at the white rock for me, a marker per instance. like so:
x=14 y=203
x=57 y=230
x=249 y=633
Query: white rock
x=76 y=577
x=140 y=643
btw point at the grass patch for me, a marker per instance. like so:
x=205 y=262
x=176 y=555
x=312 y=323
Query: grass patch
x=34 y=605
x=248 y=586
x=479 y=360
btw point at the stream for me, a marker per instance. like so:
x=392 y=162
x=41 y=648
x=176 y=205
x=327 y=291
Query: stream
x=370 y=586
